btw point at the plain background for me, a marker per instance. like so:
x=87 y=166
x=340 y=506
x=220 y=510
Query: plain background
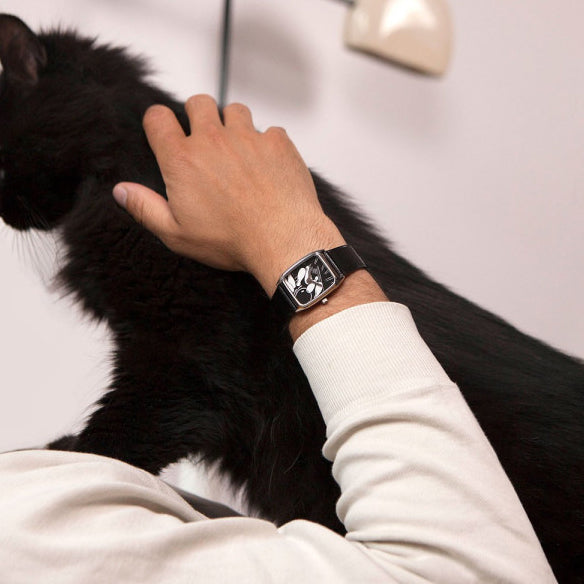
x=478 y=178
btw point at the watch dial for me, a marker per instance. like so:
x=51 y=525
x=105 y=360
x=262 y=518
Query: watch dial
x=310 y=280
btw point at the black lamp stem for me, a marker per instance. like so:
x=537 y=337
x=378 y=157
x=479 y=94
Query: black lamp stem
x=225 y=50
x=225 y=47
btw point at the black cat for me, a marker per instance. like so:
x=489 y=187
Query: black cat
x=202 y=368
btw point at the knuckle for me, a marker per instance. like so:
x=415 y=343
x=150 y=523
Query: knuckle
x=191 y=101
x=205 y=97
x=277 y=137
x=199 y=98
x=276 y=132
x=238 y=108
x=155 y=112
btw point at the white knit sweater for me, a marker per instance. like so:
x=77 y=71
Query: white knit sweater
x=424 y=498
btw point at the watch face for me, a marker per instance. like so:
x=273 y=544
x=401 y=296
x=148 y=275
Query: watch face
x=309 y=280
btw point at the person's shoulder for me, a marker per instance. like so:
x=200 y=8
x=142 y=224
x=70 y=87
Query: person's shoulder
x=43 y=460
x=28 y=475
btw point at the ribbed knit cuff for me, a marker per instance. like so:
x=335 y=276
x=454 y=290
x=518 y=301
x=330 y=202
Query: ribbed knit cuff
x=363 y=353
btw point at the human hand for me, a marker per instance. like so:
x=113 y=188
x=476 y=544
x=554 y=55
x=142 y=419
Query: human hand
x=238 y=199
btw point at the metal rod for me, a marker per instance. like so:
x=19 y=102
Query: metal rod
x=225 y=48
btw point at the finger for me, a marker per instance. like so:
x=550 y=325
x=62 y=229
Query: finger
x=277 y=132
x=147 y=207
x=237 y=115
x=202 y=110
x=163 y=131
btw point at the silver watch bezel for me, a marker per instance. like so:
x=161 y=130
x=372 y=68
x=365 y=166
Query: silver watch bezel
x=329 y=264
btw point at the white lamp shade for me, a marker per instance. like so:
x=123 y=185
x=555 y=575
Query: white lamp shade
x=414 y=33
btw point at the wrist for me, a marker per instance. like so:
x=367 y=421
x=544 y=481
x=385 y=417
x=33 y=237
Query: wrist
x=273 y=263
x=358 y=288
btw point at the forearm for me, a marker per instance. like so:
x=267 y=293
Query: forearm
x=358 y=288
x=421 y=486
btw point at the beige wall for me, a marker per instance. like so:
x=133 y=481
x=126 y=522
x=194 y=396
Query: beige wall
x=478 y=177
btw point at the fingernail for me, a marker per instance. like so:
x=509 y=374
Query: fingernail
x=120 y=195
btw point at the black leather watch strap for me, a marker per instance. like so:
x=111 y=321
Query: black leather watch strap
x=282 y=304
x=344 y=258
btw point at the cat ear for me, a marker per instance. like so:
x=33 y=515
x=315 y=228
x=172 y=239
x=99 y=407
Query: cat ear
x=21 y=52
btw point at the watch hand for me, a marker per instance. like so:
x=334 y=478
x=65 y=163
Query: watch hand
x=301 y=273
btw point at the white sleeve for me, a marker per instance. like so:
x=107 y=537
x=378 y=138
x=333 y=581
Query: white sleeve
x=424 y=498
x=420 y=483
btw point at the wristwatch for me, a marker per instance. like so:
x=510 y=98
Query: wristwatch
x=311 y=279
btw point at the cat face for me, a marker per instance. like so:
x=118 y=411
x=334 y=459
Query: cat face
x=29 y=172
x=59 y=119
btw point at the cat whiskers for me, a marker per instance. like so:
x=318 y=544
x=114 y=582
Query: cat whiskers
x=35 y=218
x=38 y=249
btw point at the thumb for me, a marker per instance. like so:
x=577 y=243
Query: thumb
x=146 y=206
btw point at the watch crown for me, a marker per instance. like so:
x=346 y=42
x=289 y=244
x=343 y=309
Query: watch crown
x=324 y=300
